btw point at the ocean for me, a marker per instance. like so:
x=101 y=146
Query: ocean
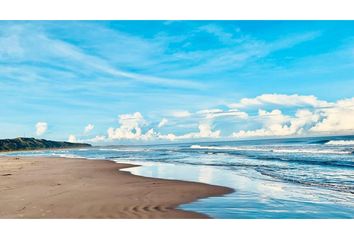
x=278 y=178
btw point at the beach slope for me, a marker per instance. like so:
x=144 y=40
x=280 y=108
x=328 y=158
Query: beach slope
x=38 y=187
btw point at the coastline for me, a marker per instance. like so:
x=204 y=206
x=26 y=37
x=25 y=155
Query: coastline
x=47 y=187
x=39 y=150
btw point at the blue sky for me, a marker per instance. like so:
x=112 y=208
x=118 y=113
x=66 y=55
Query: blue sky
x=148 y=81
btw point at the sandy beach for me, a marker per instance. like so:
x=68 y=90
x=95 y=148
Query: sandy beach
x=39 y=187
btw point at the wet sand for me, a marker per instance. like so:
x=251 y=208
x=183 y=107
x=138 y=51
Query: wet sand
x=39 y=187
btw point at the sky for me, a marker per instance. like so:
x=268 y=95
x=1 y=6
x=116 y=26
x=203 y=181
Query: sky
x=130 y=82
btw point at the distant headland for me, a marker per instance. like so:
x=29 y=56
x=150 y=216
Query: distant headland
x=21 y=143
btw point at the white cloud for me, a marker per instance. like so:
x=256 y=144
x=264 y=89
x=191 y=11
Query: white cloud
x=97 y=139
x=245 y=49
x=275 y=123
x=181 y=114
x=281 y=100
x=312 y=116
x=41 y=128
x=337 y=119
x=130 y=128
x=31 y=43
x=149 y=135
x=307 y=115
x=72 y=138
x=220 y=33
x=89 y=128
x=215 y=113
x=205 y=131
x=169 y=136
x=210 y=111
x=162 y=123
x=272 y=118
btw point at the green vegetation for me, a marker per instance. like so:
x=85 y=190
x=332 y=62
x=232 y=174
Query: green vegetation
x=18 y=144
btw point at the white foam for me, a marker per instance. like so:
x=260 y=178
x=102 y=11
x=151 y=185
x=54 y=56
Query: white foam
x=219 y=147
x=123 y=150
x=231 y=148
x=83 y=149
x=311 y=151
x=340 y=142
x=276 y=150
x=66 y=155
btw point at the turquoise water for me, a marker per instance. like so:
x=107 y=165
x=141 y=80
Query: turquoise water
x=283 y=178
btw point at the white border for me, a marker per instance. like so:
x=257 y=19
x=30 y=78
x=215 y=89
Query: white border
x=175 y=9
x=176 y=229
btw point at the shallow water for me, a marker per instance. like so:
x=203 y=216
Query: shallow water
x=283 y=178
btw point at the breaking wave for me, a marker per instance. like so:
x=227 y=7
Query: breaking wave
x=340 y=142
x=277 y=150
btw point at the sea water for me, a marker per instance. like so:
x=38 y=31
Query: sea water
x=279 y=178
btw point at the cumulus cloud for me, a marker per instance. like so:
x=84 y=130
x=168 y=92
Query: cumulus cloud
x=89 y=128
x=205 y=131
x=334 y=118
x=41 y=128
x=275 y=123
x=281 y=100
x=337 y=119
x=292 y=115
x=72 y=138
x=130 y=128
x=162 y=123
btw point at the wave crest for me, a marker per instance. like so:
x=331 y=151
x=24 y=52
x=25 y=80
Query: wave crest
x=340 y=142
x=276 y=150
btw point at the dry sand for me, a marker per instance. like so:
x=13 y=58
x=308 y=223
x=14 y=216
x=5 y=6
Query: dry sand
x=38 y=187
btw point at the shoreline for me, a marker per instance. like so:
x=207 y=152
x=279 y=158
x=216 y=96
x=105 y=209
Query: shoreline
x=39 y=150
x=53 y=187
